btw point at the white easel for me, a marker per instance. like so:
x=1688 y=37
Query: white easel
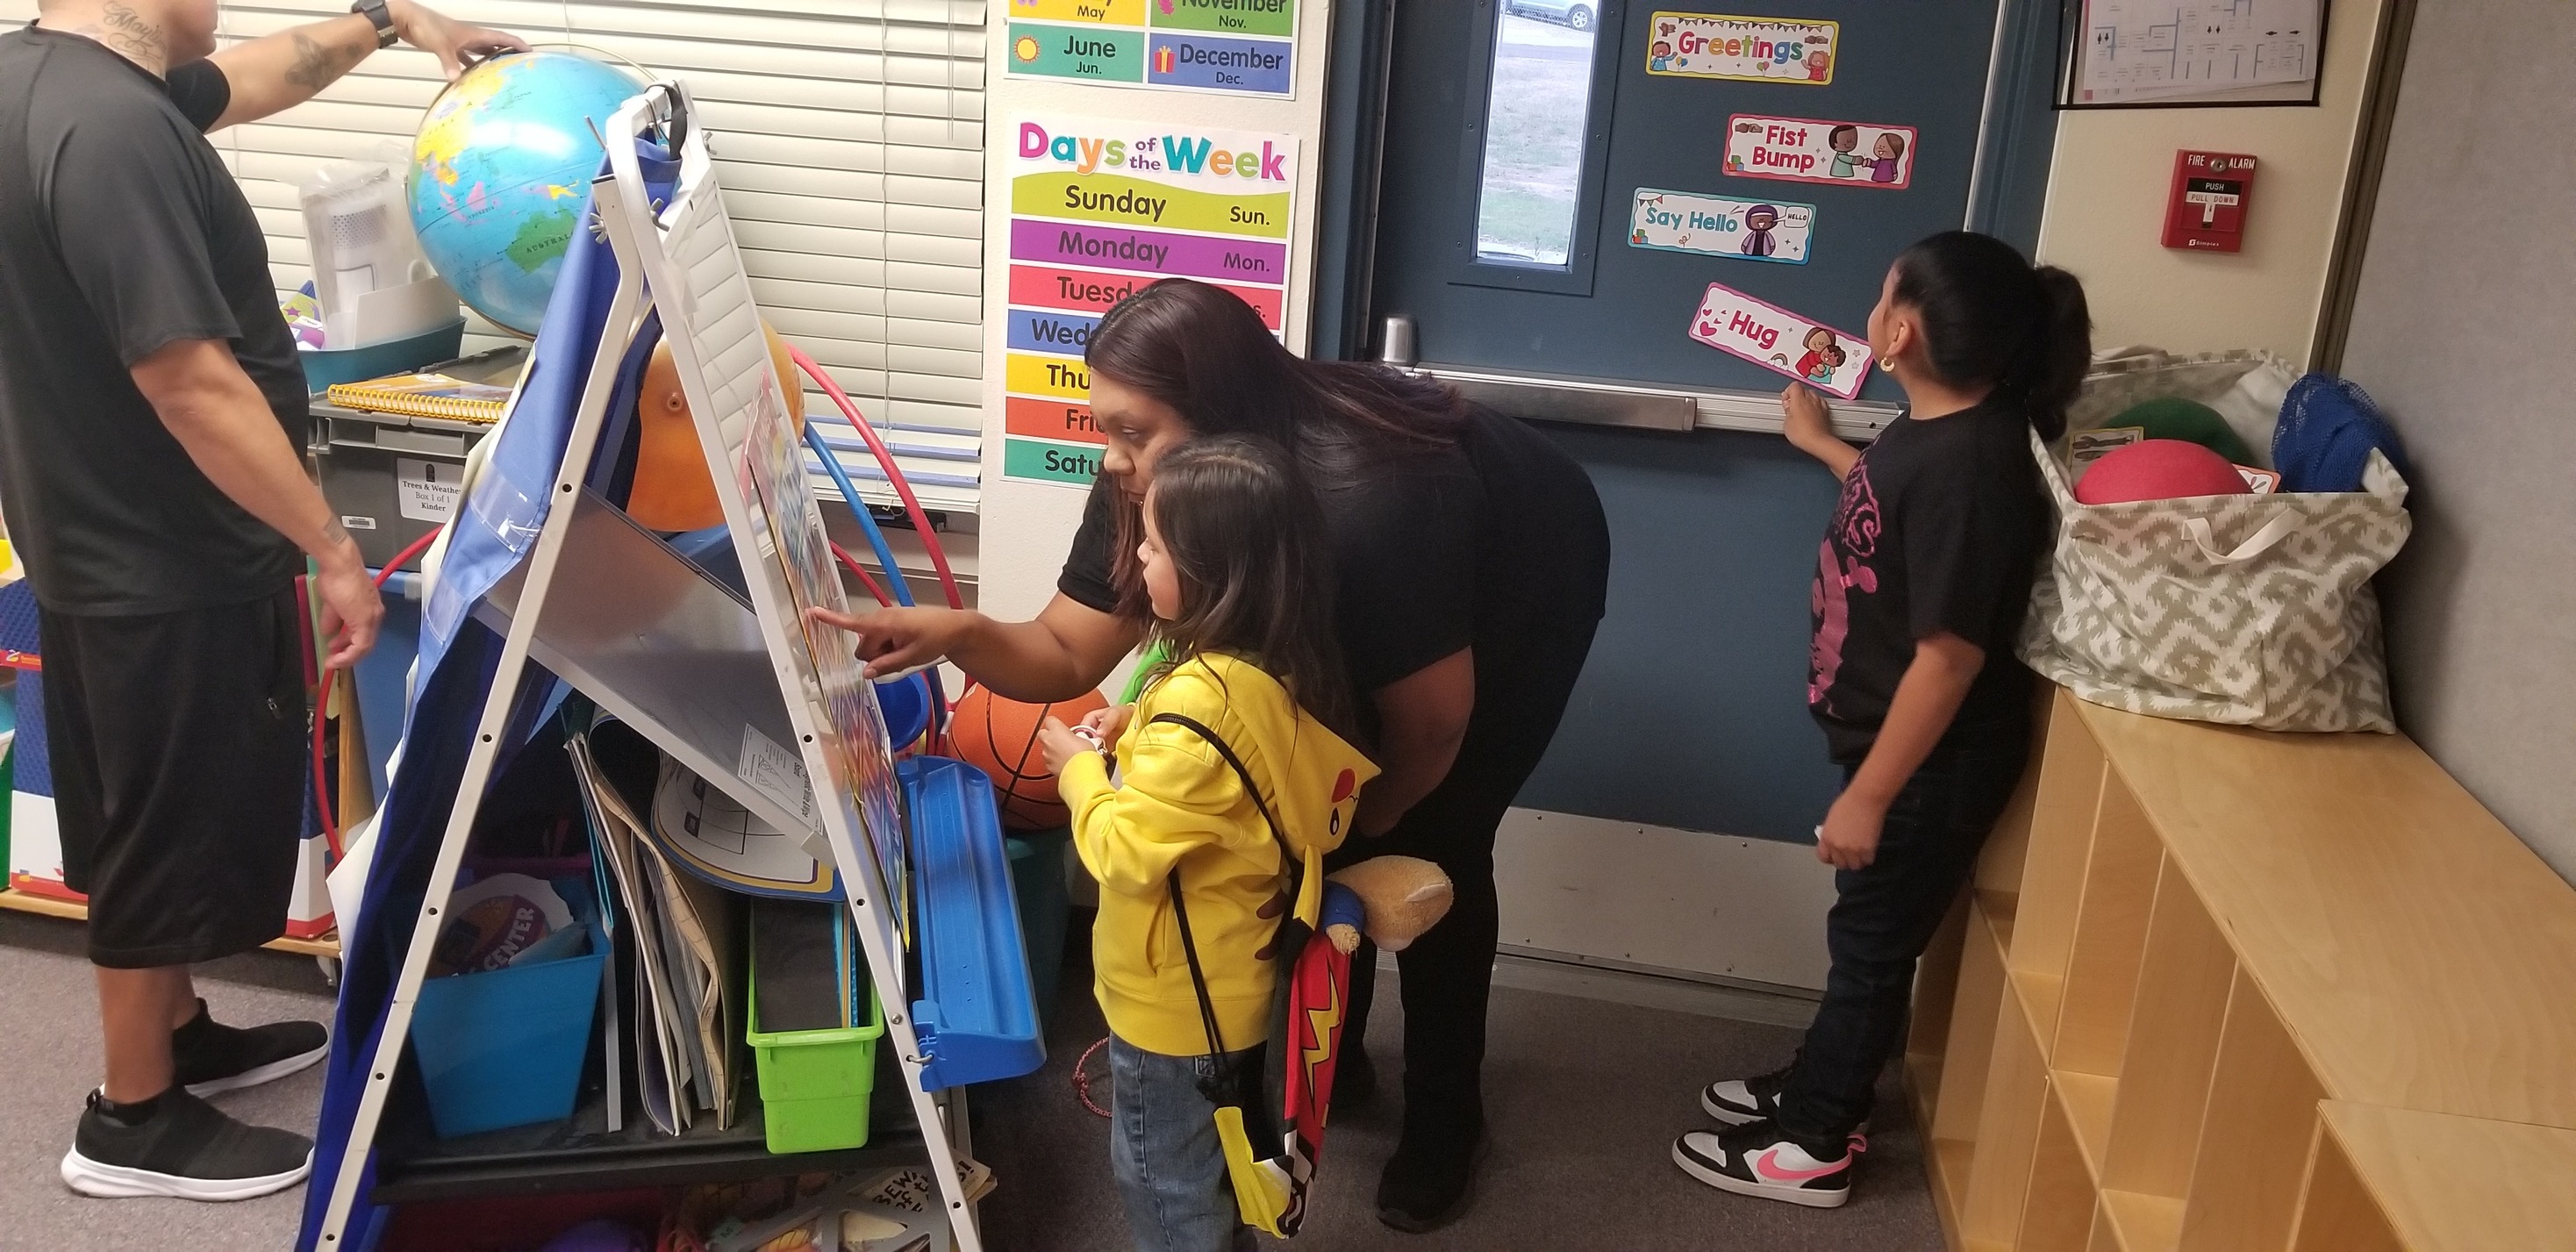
x=612 y=610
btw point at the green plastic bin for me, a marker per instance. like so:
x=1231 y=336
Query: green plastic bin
x=815 y=1085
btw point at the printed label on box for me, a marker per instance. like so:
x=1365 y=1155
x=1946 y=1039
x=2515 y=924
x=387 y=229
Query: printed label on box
x=1751 y=49
x=776 y=773
x=426 y=491
x=1808 y=150
x=1746 y=230
x=1781 y=341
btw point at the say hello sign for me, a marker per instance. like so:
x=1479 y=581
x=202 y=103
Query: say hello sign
x=1751 y=49
x=1805 y=150
x=1781 y=341
x=1746 y=230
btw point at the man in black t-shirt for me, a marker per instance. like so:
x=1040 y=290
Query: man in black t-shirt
x=152 y=411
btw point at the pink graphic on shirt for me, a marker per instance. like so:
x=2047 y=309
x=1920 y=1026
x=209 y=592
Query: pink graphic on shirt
x=1854 y=533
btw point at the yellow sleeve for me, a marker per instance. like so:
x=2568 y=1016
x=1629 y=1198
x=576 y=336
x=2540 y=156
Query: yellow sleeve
x=1178 y=795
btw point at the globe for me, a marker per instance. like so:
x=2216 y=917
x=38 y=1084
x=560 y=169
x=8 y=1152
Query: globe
x=500 y=173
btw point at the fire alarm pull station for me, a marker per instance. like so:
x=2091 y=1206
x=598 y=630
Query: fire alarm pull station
x=2206 y=210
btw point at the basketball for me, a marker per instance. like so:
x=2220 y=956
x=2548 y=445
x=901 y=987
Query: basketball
x=673 y=491
x=1000 y=737
x=2158 y=469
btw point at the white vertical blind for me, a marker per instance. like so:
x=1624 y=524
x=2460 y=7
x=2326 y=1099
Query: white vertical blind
x=849 y=138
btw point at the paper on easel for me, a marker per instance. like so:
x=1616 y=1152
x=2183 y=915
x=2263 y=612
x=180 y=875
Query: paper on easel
x=661 y=1074
x=707 y=831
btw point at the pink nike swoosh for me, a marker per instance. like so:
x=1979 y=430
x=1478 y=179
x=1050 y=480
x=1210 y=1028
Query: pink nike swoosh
x=1764 y=1169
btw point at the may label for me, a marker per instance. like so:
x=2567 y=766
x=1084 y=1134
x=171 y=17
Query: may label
x=1781 y=341
x=1747 y=230
x=1753 y=49
x=1805 y=150
x=426 y=491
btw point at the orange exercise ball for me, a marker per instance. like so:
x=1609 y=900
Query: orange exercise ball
x=1000 y=737
x=673 y=490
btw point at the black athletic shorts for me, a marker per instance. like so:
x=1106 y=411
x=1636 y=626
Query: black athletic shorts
x=179 y=762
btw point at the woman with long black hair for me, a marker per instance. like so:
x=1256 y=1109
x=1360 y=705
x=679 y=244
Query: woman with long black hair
x=1472 y=563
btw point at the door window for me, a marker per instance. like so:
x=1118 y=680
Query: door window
x=1535 y=116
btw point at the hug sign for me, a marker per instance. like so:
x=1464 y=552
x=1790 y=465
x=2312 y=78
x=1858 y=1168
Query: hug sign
x=1805 y=150
x=1781 y=341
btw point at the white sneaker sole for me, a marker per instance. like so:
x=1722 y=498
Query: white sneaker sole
x=258 y=1074
x=112 y=1182
x=1761 y=1190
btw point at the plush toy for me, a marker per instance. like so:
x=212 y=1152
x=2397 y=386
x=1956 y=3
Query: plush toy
x=1399 y=897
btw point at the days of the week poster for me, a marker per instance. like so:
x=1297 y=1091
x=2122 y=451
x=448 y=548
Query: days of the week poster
x=1100 y=209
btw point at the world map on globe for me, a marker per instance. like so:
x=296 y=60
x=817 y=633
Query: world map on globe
x=500 y=173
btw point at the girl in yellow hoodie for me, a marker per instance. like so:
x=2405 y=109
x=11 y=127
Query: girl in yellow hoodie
x=1234 y=567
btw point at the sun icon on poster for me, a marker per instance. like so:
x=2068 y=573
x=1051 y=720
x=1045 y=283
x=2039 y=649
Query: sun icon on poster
x=1026 y=48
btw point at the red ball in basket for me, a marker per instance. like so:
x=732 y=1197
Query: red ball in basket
x=1000 y=737
x=2158 y=469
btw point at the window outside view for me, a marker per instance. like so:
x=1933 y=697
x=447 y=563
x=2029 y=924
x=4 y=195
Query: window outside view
x=1534 y=127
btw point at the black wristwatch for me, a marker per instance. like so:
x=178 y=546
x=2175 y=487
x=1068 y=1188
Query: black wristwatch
x=376 y=12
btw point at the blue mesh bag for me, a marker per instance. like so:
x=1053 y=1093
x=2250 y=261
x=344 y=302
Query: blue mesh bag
x=2328 y=427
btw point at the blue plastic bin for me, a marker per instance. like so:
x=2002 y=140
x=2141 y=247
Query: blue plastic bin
x=505 y=1048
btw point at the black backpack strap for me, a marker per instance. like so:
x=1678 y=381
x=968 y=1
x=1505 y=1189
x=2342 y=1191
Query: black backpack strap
x=1180 y=911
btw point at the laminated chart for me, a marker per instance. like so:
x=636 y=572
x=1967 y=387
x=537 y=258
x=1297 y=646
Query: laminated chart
x=1099 y=211
x=2147 y=49
x=1241 y=46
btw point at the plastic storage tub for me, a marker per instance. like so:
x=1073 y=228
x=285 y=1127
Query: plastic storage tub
x=505 y=1048
x=815 y=1085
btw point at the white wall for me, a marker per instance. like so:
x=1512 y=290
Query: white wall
x=2462 y=331
x=2106 y=200
x=1027 y=526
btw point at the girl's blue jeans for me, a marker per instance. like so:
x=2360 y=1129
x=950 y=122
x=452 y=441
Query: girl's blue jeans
x=1164 y=1150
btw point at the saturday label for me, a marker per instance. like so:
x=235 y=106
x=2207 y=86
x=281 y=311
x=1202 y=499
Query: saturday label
x=1781 y=341
x=1753 y=49
x=1805 y=150
x=1746 y=230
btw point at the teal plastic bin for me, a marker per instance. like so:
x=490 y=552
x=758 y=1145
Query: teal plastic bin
x=1046 y=910
x=505 y=1048
x=325 y=368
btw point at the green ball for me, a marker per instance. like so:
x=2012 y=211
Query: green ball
x=2173 y=417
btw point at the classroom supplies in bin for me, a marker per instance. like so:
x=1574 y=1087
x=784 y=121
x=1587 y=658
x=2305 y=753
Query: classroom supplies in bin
x=815 y=1041
x=502 y=1042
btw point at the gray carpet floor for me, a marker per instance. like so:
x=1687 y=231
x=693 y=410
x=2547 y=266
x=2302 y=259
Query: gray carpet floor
x=1584 y=1096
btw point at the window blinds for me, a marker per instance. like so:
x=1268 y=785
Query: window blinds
x=849 y=141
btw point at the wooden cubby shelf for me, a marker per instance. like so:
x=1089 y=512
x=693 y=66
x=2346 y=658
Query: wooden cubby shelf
x=2218 y=990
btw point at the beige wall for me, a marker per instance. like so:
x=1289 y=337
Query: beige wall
x=2106 y=199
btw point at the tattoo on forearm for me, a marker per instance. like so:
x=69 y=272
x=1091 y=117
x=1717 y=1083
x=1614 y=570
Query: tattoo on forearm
x=318 y=64
x=333 y=533
x=131 y=33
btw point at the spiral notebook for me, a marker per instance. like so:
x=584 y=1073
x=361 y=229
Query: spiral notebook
x=424 y=395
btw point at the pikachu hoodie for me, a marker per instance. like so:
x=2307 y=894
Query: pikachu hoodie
x=1180 y=806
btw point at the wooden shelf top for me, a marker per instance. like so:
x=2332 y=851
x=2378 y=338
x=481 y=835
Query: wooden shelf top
x=2460 y=1184
x=2360 y=886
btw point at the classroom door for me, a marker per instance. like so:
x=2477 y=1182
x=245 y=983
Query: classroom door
x=1562 y=182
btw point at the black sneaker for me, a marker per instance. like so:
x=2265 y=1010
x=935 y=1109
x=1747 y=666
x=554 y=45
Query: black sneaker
x=1744 y=1101
x=1354 y=1079
x=1425 y=1186
x=210 y=1057
x=187 y=1149
x=1760 y=1160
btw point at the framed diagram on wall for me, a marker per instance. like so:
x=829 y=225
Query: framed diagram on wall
x=2133 y=54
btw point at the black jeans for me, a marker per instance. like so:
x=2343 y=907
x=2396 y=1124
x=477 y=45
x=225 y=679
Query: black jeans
x=1884 y=916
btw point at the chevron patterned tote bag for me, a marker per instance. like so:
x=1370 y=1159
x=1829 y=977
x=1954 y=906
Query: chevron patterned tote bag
x=2248 y=610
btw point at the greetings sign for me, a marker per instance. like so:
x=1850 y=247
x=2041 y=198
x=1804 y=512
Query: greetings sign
x=1756 y=49
x=1781 y=341
x=1099 y=211
x=1805 y=150
x=1747 y=230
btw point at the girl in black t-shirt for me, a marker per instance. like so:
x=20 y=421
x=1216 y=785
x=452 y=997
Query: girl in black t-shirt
x=1921 y=584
